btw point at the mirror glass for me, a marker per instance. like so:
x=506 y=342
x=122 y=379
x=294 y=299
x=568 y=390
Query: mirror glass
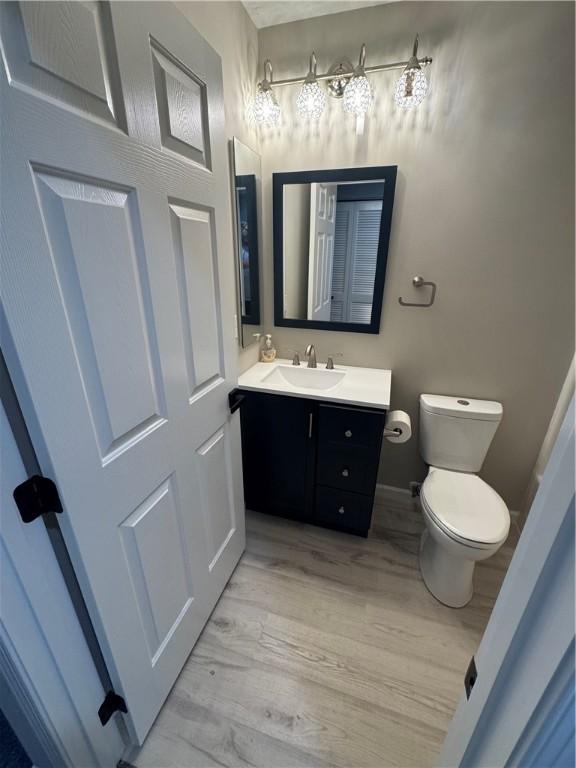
x=331 y=241
x=247 y=178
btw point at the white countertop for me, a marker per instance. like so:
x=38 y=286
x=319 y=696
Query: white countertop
x=359 y=386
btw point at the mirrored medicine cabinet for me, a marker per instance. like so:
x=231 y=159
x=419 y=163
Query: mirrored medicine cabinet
x=246 y=177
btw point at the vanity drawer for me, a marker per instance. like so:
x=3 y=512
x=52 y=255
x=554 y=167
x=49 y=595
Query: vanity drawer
x=350 y=427
x=352 y=468
x=346 y=511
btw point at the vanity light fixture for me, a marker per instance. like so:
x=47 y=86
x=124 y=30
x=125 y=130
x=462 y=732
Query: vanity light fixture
x=311 y=99
x=412 y=86
x=265 y=108
x=351 y=84
x=358 y=91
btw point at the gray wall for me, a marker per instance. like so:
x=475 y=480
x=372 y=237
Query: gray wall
x=296 y=249
x=484 y=207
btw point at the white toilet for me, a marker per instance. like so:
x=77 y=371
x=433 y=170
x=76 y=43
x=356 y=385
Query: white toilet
x=466 y=520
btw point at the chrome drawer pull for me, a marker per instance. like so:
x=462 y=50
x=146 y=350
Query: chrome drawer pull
x=345 y=473
x=348 y=433
x=341 y=510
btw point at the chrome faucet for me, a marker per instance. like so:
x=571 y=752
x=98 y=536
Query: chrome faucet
x=311 y=355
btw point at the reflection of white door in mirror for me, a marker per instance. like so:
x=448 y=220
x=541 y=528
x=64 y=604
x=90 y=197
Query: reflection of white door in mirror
x=322 y=226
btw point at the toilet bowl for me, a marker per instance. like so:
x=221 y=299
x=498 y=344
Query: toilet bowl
x=466 y=520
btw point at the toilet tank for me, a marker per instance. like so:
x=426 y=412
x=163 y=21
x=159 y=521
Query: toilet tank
x=456 y=432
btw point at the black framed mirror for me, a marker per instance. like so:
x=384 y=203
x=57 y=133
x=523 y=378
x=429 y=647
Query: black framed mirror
x=246 y=178
x=331 y=235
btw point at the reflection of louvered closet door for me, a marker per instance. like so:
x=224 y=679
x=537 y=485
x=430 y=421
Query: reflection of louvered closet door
x=356 y=240
x=117 y=289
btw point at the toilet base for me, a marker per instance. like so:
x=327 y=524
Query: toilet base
x=450 y=579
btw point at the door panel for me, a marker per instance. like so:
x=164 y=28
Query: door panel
x=182 y=107
x=215 y=476
x=64 y=51
x=96 y=245
x=158 y=564
x=77 y=56
x=197 y=276
x=118 y=291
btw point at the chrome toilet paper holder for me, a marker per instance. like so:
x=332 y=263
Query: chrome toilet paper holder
x=419 y=282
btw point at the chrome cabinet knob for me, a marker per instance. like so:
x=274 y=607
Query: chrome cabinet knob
x=341 y=511
x=345 y=473
x=348 y=433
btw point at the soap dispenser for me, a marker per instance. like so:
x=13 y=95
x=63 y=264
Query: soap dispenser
x=268 y=353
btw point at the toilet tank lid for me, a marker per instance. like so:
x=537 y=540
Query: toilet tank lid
x=462 y=407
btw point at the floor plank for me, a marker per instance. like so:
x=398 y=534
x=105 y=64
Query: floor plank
x=325 y=650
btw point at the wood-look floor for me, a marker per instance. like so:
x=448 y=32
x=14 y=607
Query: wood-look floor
x=324 y=650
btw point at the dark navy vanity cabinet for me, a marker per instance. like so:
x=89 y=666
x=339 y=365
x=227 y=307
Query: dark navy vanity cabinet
x=310 y=460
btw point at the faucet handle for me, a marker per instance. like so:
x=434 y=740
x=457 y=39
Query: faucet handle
x=295 y=353
x=330 y=361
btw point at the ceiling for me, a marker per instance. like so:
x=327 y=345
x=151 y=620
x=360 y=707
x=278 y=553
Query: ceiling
x=267 y=13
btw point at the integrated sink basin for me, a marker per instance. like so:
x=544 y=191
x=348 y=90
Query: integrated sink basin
x=309 y=378
x=346 y=384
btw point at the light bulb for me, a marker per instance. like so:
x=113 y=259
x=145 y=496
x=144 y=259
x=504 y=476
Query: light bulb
x=358 y=91
x=311 y=99
x=412 y=85
x=265 y=109
x=411 y=88
x=357 y=95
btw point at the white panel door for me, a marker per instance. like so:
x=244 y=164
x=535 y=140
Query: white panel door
x=117 y=286
x=321 y=253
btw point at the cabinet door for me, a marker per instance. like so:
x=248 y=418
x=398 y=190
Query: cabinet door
x=278 y=454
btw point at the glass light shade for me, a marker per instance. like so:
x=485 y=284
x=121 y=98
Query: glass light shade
x=265 y=109
x=358 y=95
x=411 y=88
x=311 y=100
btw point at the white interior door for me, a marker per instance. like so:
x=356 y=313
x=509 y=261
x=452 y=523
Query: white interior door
x=322 y=226
x=521 y=708
x=117 y=286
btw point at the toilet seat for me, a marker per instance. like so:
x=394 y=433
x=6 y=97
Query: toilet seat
x=466 y=508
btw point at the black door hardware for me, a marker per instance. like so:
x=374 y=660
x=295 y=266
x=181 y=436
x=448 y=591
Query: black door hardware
x=111 y=704
x=235 y=400
x=470 y=679
x=36 y=497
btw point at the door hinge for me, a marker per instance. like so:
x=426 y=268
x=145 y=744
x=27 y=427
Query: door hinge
x=112 y=703
x=470 y=678
x=36 y=497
